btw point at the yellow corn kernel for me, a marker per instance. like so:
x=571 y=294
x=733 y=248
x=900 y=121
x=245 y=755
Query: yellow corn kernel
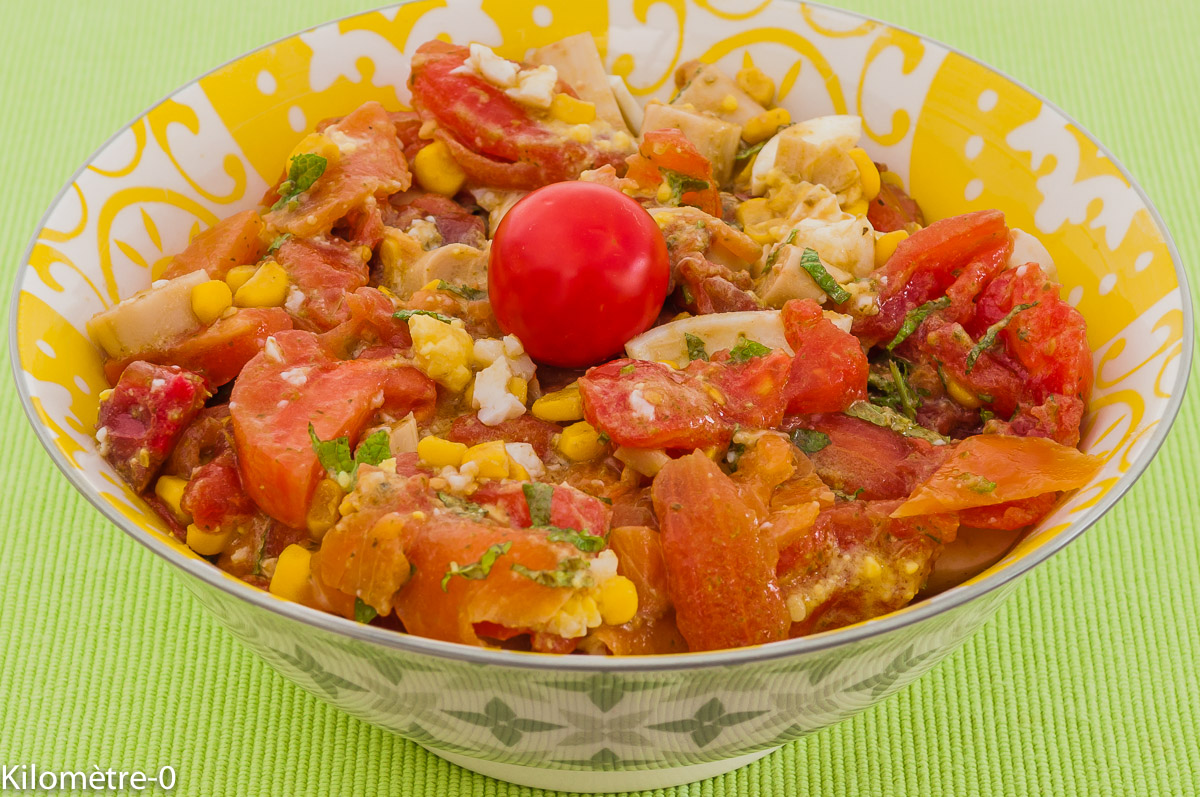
x=961 y=395
x=517 y=471
x=885 y=247
x=267 y=288
x=858 y=207
x=618 y=600
x=437 y=171
x=559 y=406
x=210 y=299
x=170 y=490
x=236 y=277
x=442 y=351
x=754 y=211
x=663 y=195
x=761 y=127
x=208 y=543
x=566 y=108
x=868 y=172
x=519 y=388
x=316 y=144
x=729 y=104
x=323 y=511
x=580 y=442
x=756 y=83
x=440 y=453
x=105 y=394
x=490 y=457
x=892 y=179
x=292 y=571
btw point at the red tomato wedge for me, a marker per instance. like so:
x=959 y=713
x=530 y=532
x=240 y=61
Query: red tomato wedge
x=721 y=569
x=324 y=272
x=569 y=508
x=894 y=210
x=214 y=494
x=829 y=369
x=373 y=166
x=220 y=350
x=924 y=265
x=670 y=150
x=297 y=382
x=993 y=469
x=649 y=405
x=752 y=393
x=235 y=241
x=494 y=138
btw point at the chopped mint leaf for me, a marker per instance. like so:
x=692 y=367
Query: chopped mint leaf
x=977 y=483
x=476 y=571
x=909 y=401
x=278 y=242
x=695 y=347
x=771 y=258
x=588 y=543
x=810 y=441
x=746 y=350
x=810 y=261
x=749 y=151
x=914 y=317
x=334 y=455
x=404 y=315
x=681 y=184
x=571 y=572
x=539 y=497
x=364 y=612
x=374 y=449
x=989 y=337
x=890 y=419
x=304 y=170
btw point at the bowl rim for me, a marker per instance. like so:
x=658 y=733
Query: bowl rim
x=912 y=614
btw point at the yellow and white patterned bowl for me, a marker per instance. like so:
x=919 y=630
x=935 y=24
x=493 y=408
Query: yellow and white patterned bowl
x=961 y=136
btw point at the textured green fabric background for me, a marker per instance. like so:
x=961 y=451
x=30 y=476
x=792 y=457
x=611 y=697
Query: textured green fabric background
x=1085 y=683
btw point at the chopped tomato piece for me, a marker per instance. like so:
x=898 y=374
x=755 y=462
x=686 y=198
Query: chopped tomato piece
x=862 y=456
x=1010 y=515
x=752 y=393
x=214 y=494
x=829 y=369
x=707 y=287
x=924 y=265
x=454 y=223
x=372 y=166
x=235 y=241
x=495 y=139
x=1058 y=418
x=523 y=429
x=992 y=469
x=669 y=150
x=372 y=328
x=569 y=508
x=297 y=383
x=648 y=405
x=324 y=272
x=640 y=559
x=764 y=466
x=859 y=562
x=141 y=421
x=994 y=378
x=1048 y=339
x=721 y=568
x=219 y=351
x=894 y=210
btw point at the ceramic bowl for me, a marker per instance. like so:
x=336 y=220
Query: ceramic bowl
x=960 y=135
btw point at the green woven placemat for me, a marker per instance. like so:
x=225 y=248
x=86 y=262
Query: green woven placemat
x=1085 y=683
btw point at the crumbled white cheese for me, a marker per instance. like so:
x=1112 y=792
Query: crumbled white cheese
x=491 y=396
x=158 y=384
x=535 y=86
x=639 y=405
x=295 y=376
x=484 y=62
x=294 y=301
x=524 y=455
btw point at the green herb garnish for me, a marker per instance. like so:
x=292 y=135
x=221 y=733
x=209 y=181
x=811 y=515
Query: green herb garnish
x=404 y=315
x=571 y=572
x=681 y=184
x=588 y=543
x=734 y=455
x=989 y=338
x=304 y=171
x=364 y=612
x=890 y=419
x=695 y=347
x=749 y=151
x=746 y=350
x=909 y=401
x=476 y=571
x=342 y=466
x=849 y=496
x=278 y=242
x=986 y=415
x=810 y=441
x=462 y=506
x=914 y=317
x=374 y=449
x=539 y=497
x=810 y=261
x=771 y=258
x=465 y=291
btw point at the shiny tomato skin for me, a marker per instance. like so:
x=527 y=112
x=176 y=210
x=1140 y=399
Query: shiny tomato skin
x=576 y=270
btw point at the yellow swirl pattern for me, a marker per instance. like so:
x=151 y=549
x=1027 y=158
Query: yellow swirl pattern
x=970 y=139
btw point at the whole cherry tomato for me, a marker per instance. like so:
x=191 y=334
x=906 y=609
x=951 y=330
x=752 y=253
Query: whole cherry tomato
x=576 y=270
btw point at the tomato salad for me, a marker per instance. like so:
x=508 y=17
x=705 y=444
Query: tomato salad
x=533 y=366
